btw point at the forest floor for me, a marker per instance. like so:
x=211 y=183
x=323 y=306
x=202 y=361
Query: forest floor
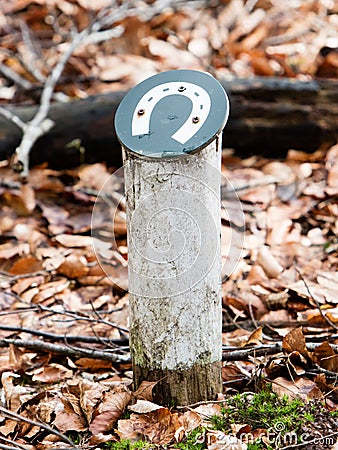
x=65 y=366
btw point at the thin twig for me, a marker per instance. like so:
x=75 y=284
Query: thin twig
x=262 y=350
x=33 y=68
x=2 y=438
x=307 y=287
x=43 y=425
x=76 y=352
x=106 y=18
x=9 y=447
x=13 y=118
x=68 y=338
x=84 y=318
x=242 y=354
x=9 y=73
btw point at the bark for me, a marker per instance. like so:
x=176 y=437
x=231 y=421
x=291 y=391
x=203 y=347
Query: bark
x=174 y=271
x=268 y=116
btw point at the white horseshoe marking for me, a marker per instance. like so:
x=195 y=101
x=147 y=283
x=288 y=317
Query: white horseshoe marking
x=200 y=108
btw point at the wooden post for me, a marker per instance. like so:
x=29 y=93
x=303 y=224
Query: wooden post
x=173 y=220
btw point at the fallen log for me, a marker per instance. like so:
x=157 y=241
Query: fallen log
x=268 y=116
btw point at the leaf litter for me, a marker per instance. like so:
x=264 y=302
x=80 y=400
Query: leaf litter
x=280 y=308
x=282 y=294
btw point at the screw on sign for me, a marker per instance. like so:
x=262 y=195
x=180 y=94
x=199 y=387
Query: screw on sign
x=170 y=129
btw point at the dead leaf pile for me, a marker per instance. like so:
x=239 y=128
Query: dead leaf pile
x=64 y=321
x=230 y=38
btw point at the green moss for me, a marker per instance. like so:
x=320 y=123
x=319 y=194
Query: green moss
x=281 y=417
x=262 y=410
x=125 y=444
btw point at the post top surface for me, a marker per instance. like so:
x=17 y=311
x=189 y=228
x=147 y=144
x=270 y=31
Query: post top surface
x=171 y=114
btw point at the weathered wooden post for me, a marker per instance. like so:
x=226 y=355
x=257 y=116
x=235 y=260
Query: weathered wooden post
x=170 y=130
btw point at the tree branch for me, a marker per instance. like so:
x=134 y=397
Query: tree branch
x=40 y=124
x=65 y=337
x=14 y=416
x=262 y=350
x=76 y=352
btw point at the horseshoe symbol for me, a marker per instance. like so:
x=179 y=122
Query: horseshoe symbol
x=201 y=104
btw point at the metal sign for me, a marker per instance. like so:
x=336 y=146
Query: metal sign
x=171 y=114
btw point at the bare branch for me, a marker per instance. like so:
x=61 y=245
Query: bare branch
x=46 y=427
x=76 y=352
x=68 y=338
x=33 y=67
x=13 y=118
x=40 y=124
x=5 y=447
x=321 y=312
x=9 y=73
x=262 y=350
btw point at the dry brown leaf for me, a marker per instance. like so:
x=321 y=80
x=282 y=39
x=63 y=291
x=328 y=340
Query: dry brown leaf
x=315 y=292
x=332 y=166
x=189 y=421
x=8 y=427
x=326 y=357
x=90 y=396
x=48 y=290
x=94 y=175
x=52 y=373
x=28 y=264
x=74 y=266
x=9 y=250
x=126 y=430
x=173 y=57
x=19 y=359
x=255 y=337
x=131 y=68
x=66 y=421
x=208 y=410
x=22 y=201
x=25 y=283
x=294 y=341
x=301 y=388
x=92 y=364
x=109 y=411
x=13 y=393
x=158 y=427
x=145 y=390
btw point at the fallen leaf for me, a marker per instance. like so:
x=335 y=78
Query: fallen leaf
x=145 y=390
x=294 y=341
x=158 y=427
x=22 y=201
x=28 y=264
x=13 y=394
x=255 y=337
x=301 y=388
x=144 y=406
x=326 y=357
x=74 y=266
x=9 y=250
x=52 y=373
x=110 y=409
